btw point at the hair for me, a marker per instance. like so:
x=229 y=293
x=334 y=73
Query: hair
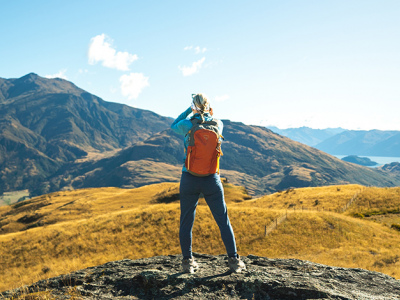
x=201 y=103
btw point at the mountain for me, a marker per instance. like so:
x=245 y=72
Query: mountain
x=393 y=169
x=339 y=141
x=55 y=136
x=362 y=142
x=307 y=135
x=254 y=157
x=46 y=123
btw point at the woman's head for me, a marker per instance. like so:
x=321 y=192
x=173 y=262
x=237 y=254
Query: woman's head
x=200 y=103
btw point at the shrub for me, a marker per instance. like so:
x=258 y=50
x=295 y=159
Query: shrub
x=396 y=226
x=358 y=215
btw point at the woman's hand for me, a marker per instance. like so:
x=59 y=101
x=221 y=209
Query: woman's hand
x=211 y=111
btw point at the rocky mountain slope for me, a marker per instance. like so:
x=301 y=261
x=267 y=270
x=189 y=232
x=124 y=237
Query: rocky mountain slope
x=45 y=123
x=161 y=278
x=55 y=136
x=254 y=157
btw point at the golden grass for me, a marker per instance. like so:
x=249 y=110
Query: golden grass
x=379 y=204
x=110 y=224
x=336 y=240
x=87 y=203
x=314 y=198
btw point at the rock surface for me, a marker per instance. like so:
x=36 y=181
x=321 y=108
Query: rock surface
x=161 y=278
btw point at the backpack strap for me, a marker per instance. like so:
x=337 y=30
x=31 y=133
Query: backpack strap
x=196 y=123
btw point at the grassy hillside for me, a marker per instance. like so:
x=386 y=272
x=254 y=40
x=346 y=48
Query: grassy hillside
x=328 y=198
x=381 y=205
x=64 y=206
x=82 y=228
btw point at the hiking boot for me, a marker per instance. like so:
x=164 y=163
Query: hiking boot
x=236 y=265
x=189 y=265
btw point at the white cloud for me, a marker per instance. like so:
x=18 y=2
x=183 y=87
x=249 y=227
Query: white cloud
x=194 y=68
x=101 y=51
x=133 y=84
x=60 y=74
x=198 y=50
x=221 y=98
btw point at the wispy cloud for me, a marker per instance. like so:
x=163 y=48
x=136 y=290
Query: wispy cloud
x=197 y=49
x=60 y=74
x=133 y=84
x=194 y=68
x=221 y=98
x=101 y=50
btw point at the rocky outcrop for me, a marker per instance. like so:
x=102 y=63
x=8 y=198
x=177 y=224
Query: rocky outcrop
x=161 y=278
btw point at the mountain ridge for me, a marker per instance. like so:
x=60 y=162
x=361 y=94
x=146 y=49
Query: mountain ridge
x=46 y=123
x=339 y=141
x=363 y=142
x=254 y=157
x=50 y=129
x=306 y=135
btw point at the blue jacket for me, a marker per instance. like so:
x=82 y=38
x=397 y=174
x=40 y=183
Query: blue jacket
x=182 y=125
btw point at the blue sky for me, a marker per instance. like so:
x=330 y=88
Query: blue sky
x=283 y=63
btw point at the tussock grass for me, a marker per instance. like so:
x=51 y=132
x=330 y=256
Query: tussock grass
x=337 y=240
x=87 y=203
x=379 y=204
x=103 y=227
x=314 y=198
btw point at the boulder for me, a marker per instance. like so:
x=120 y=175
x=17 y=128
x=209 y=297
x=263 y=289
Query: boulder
x=161 y=278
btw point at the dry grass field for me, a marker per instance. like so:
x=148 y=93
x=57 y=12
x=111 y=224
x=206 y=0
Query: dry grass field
x=381 y=205
x=327 y=198
x=66 y=231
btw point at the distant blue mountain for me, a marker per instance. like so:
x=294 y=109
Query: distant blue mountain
x=339 y=141
x=362 y=142
x=307 y=135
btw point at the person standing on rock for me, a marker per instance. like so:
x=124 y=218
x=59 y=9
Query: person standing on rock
x=200 y=175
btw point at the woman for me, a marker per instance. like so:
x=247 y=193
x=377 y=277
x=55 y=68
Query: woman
x=210 y=186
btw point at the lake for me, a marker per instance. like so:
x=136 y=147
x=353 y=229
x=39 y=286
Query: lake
x=381 y=160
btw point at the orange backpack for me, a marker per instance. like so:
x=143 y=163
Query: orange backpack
x=204 y=148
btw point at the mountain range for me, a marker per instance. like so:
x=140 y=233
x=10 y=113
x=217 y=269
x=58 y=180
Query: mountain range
x=363 y=142
x=55 y=136
x=307 y=135
x=339 y=141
